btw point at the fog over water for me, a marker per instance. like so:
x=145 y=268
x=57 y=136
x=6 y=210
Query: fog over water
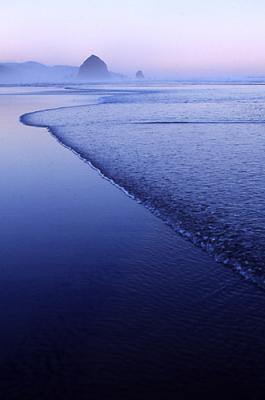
x=164 y=38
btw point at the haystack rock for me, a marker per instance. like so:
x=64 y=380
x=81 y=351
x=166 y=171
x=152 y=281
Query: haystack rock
x=139 y=75
x=94 y=69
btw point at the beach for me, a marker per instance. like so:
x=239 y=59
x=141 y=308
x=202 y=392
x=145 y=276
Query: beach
x=100 y=295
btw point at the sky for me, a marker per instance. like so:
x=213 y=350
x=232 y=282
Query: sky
x=160 y=37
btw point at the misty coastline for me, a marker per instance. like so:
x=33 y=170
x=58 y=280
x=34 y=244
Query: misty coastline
x=37 y=74
x=132 y=202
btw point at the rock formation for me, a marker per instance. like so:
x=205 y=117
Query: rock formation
x=139 y=75
x=93 y=68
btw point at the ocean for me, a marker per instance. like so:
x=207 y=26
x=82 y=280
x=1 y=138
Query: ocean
x=101 y=298
x=192 y=154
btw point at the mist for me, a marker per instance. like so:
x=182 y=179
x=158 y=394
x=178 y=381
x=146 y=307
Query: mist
x=161 y=37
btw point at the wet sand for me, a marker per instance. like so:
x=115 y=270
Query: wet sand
x=98 y=296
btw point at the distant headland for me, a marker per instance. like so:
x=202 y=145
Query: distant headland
x=91 y=70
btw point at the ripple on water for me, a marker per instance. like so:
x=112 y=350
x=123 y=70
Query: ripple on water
x=193 y=155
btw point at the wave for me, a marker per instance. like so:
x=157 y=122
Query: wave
x=239 y=122
x=205 y=184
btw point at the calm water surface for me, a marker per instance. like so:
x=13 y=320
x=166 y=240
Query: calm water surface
x=97 y=294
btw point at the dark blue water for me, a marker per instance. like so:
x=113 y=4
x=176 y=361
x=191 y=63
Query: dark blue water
x=99 y=298
x=192 y=154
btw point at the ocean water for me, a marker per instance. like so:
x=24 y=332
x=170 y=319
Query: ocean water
x=98 y=296
x=194 y=155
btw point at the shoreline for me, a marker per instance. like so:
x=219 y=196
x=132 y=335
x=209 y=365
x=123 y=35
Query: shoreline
x=99 y=290
x=187 y=235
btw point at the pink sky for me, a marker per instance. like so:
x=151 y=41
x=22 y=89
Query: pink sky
x=166 y=36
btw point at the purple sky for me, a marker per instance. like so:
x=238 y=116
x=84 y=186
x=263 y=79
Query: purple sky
x=161 y=37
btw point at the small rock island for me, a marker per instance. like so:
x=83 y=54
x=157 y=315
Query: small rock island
x=139 y=75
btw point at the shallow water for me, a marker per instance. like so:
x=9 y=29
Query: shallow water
x=193 y=154
x=98 y=295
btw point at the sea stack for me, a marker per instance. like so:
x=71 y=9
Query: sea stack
x=93 y=68
x=139 y=75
